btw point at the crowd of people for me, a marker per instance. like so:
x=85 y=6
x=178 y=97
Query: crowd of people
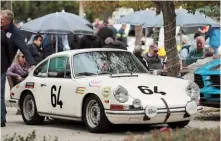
x=106 y=36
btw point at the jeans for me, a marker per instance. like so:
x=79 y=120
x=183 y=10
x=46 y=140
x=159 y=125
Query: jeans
x=3 y=77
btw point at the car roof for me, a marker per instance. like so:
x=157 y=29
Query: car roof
x=77 y=51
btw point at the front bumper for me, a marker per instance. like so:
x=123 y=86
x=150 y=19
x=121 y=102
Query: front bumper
x=139 y=117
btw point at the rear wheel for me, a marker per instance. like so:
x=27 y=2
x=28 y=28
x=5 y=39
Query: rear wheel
x=94 y=116
x=29 y=111
x=179 y=124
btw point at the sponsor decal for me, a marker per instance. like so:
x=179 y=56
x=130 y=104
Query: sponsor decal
x=80 y=90
x=30 y=85
x=94 y=83
x=106 y=91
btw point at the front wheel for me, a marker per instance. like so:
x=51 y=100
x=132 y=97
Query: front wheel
x=94 y=115
x=29 y=111
x=179 y=124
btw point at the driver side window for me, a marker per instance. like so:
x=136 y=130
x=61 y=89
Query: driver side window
x=41 y=71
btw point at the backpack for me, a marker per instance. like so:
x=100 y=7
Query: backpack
x=186 y=47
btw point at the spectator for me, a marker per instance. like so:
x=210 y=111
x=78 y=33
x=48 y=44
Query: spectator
x=16 y=41
x=197 y=35
x=49 y=45
x=96 y=23
x=6 y=60
x=152 y=59
x=197 y=53
x=18 y=70
x=114 y=30
x=214 y=38
x=73 y=41
x=36 y=49
x=103 y=34
x=121 y=36
x=88 y=41
x=209 y=52
x=138 y=53
x=111 y=43
x=185 y=47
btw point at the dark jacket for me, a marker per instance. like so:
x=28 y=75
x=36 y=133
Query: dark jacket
x=7 y=52
x=121 y=36
x=152 y=63
x=117 y=45
x=104 y=33
x=15 y=37
x=49 y=47
x=114 y=30
x=36 y=52
x=88 y=41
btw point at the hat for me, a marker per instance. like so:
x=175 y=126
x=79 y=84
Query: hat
x=153 y=47
x=109 y=40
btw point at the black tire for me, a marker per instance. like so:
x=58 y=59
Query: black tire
x=104 y=124
x=35 y=119
x=179 y=124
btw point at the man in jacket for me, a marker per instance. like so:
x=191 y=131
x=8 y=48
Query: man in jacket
x=152 y=60
x=36 y=49
x=15 y=38
x=121 y=35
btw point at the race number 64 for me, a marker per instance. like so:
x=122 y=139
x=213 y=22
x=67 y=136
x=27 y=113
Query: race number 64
x=54 y=99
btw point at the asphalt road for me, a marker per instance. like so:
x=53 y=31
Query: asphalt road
x=75 y=131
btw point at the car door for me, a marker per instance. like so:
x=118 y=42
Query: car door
x=60 y=87
x=40 y=89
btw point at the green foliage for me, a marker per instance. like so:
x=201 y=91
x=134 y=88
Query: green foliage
x=35 y=9
x=179 y=135
x=30 y=137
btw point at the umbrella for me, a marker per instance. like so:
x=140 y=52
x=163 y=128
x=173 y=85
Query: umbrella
x=139 y=18
x=59 y=23
x=185 y=19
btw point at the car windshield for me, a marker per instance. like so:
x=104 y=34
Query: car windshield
x=106 y=62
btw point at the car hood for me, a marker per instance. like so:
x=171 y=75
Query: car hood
x=207 y=68
x=174 y=88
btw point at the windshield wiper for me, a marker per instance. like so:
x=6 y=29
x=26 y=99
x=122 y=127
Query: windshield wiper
x=85 y=74
x=104 y=73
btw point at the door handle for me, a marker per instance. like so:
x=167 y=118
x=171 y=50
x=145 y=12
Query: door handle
x=42 y=85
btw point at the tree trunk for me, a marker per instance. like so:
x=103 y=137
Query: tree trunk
x=169 y=17
x=81 y=9
x=138 y=36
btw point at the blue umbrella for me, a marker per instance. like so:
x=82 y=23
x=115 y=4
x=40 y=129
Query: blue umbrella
x=185 y=19
x=139 y=18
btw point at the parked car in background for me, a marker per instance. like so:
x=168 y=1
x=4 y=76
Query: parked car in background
x=207 y=78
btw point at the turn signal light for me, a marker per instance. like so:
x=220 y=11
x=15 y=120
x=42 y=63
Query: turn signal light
x=116 y=107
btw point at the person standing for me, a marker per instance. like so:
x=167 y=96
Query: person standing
x=121 y=35
x=197 y=53
x=13 y=36
x=152 y=60
x=214 y=38
x=36 y=49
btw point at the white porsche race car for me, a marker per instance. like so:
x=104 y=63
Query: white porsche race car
x=102 y=87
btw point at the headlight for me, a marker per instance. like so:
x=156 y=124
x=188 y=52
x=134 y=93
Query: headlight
x=121 y=94
x=193 y=90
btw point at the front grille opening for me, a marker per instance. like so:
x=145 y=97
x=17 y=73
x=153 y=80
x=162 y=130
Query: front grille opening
x=215 y=79
x=198 y=80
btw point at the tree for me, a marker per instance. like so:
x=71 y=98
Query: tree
x=35 y=9
x=169 y=16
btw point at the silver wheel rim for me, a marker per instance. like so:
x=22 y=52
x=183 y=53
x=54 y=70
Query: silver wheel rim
x=28 y=107
x=93 y=113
